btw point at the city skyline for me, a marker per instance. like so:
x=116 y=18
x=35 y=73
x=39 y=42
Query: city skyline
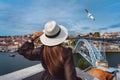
x=18 y=17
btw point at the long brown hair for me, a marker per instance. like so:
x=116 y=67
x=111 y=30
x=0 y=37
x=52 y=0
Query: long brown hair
x=53 y=57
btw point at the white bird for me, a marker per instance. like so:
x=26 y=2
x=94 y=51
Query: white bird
x=89 y=15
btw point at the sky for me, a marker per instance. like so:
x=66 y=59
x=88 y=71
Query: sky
x=19 y=17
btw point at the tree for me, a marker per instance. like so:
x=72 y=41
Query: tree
x=80 y=62
x=96 y=34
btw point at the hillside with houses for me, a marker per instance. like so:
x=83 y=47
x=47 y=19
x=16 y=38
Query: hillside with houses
x=12 y=43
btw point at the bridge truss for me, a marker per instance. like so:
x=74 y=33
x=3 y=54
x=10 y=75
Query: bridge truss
x=90 y=52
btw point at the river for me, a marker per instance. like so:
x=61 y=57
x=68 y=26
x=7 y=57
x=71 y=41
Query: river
x=9 y=64
x=113 y=59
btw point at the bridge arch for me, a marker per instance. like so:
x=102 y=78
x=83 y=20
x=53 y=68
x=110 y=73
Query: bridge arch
x=88 y=51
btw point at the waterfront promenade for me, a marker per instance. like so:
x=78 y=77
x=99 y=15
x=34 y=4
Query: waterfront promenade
x=23 y=73
x=32 y=73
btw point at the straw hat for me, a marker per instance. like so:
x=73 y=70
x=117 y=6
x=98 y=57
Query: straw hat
x=54 y=34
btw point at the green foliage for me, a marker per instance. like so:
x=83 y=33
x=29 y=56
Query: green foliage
x=73 y=42
x=80 y=62
x=97 y=34
x=65 y=44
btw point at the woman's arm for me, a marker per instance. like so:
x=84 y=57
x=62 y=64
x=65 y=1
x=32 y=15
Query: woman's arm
x=28 y=50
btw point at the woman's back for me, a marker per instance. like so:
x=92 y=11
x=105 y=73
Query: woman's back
x=59 y=62
x=53 y=57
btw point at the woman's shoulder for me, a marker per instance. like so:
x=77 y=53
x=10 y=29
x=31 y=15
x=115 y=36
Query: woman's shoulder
x=68 y=51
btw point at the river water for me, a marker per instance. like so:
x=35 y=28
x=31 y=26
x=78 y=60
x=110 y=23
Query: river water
x=113 y=59
x=9 y=64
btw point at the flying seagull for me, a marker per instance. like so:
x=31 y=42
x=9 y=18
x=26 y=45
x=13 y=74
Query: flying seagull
x=89 y=15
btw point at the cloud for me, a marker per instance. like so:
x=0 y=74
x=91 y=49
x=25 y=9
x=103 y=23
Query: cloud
x=112 y=27
x=115 y=26
x=35 y=15
x=85 y=28
x=26 y=16
x=104 y=28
